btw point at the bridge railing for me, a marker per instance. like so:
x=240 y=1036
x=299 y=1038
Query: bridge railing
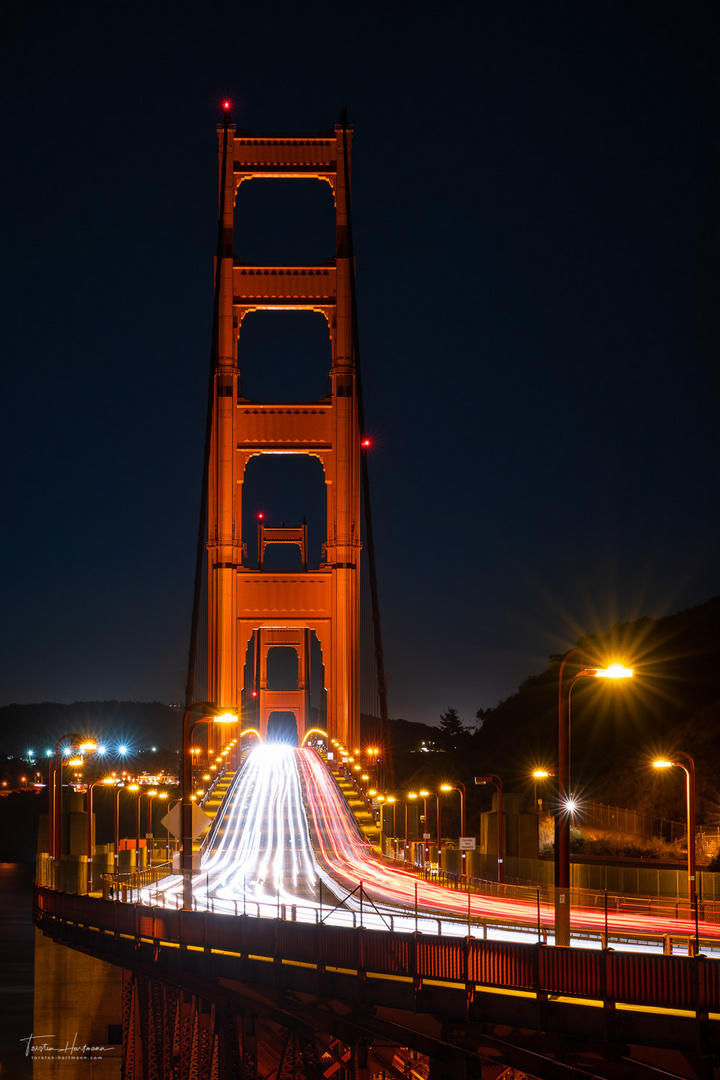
x=687 y=983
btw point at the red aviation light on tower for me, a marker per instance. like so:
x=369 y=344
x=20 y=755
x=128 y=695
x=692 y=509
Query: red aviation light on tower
x=226 y=106
x=366 y=443
x=253 y=693
x=261 y=516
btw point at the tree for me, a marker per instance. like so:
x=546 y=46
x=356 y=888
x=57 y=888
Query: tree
x=453 y=731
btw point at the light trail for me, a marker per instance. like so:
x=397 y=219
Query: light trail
x=285 y=836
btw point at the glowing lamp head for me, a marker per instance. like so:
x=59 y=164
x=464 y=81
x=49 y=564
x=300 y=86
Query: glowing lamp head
x=614 y=671
x=391 y=798
x=89 y=745
x=133 y=787
x=571 y=805
x=152 y=792
x=225 y=718
x=75 y=761
x=424 y=794
x=109 y=780
x=541 y=774
x=162 y=795
x=662 y=764
x=446 y=787
x=122 y=749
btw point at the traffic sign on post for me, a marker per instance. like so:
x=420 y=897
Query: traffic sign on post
x=173 y=821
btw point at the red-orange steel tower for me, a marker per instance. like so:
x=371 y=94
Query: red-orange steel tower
x=246 y=603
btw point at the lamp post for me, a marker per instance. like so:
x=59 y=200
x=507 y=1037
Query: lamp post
x=439 y=830
x=689 y=770
x=135 y=788
x=90 y=786
x=460 y=788
x=393 y=802
x=539 y=774
x=116 y=821
x=426 y=833
x=562 y=811
x=213 y=714
x=411 y=795
x=77 y=744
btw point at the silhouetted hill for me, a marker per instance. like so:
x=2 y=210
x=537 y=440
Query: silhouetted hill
x=672 y=703
x=139 y=724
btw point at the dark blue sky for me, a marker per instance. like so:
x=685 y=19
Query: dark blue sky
x=536 y=226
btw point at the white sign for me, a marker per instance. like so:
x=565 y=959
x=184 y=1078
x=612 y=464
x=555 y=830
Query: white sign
x=330 y=755
x=426 y=836
x=467 y=843
x=173 y=821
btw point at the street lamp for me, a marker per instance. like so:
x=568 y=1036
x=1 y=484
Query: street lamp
x=89 y=843
x=460 y=788
x=116 y=818
x=135 y=788
x=213 y=714
x=539 y=774
x=562 y=812
x=491 y=778
x=77 y=745
x=393 y=802
x=689 y=770
x=411 y=795
x=424 y=795
x=439 y=830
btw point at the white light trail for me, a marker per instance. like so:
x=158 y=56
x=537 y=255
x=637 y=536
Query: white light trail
x=271 y=848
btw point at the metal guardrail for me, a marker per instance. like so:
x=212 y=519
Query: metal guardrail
x=637 y=979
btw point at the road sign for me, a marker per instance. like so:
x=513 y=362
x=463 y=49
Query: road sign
x=467 y=843
x=173 y=821
x=426 y=836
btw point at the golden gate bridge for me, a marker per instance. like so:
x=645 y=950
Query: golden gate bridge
x=283 y=945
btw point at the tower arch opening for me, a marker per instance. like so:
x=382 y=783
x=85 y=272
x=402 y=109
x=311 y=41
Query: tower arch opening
x=282 y=728
x=289 y=222
x=286 y=489
x=286 y=356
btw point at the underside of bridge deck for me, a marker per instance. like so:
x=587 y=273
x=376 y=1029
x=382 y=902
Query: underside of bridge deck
x=190 y=1014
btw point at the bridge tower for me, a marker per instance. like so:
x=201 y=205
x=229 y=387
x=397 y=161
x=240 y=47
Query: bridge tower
x=247 y=603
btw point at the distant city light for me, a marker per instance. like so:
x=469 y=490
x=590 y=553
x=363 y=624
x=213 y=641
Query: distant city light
x=48 y=753
x=102 y=749
x=122 y=749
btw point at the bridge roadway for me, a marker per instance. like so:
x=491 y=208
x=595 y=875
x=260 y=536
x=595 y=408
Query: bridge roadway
x=286 y=852
x=286 y=837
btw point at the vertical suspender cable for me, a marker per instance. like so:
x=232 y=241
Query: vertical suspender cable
x=379 y=660
x=190 y=691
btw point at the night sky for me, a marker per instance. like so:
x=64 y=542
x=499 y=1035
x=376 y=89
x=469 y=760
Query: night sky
x=535 y=205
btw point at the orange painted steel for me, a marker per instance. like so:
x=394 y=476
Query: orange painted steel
x=672 y=982
x=246 y=602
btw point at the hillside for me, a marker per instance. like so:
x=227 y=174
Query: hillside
x=672 y=703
